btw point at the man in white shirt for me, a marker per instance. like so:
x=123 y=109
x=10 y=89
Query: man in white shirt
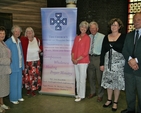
x=94 y=72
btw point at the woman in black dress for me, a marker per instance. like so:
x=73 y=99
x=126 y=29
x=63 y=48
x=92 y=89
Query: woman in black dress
x=112 y=62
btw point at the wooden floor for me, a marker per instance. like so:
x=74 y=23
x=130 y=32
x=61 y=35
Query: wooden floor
x=43 y=103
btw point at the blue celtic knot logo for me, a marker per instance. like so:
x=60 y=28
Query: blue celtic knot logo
x=58 y=21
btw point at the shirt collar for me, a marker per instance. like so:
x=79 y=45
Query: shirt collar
x=94 y=35
x=14 y=41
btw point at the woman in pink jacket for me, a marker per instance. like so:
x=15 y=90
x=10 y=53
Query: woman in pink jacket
x=80 y=59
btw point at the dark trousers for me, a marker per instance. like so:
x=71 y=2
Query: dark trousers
x=94 y=74
x=133 y=90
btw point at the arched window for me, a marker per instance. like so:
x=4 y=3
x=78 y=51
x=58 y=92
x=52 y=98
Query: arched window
x=133 y=7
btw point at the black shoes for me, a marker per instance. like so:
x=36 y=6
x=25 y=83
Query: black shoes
x=108 y=104
x=126 y=111
x=114 y=109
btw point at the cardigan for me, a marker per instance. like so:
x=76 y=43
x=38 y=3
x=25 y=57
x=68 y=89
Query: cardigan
x=117 y=46
x=81 y=48
x=24 y=42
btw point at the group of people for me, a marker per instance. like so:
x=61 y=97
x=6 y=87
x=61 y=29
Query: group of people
x=112 y=60
x=19 y=64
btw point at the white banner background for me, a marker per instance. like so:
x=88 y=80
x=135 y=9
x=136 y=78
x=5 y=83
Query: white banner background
x=58 y=33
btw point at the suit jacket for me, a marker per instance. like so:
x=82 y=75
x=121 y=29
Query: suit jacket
x=4 y=61
x=127 y=51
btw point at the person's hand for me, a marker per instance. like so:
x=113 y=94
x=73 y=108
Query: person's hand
x=133 y=64
x=102 y=68
x=135 y=67
x=39 y=50
x=74 y=61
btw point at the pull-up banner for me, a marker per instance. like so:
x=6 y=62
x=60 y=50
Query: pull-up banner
x=58 y=33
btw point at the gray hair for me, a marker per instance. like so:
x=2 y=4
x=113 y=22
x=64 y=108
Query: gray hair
x=29 y=29
x=16 y=26
x=84 y=24
x=94 y=23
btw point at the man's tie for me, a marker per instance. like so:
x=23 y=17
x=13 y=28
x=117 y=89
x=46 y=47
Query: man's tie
x=92 y=45
x=137 y=36
x=135 y=43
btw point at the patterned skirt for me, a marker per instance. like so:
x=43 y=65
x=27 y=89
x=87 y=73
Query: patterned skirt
x=32 y=75
x=113 y=75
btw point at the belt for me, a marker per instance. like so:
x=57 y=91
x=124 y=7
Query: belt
x=95 y=55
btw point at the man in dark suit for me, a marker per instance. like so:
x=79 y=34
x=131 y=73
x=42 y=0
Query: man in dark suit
x=132 y=69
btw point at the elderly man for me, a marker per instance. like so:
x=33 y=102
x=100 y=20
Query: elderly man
x=93 y=67
x=132 y=70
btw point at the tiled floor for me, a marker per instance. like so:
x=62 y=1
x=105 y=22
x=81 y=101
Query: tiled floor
x=43 y=103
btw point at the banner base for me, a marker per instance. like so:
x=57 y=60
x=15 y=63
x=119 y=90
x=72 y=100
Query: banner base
x=57 y=94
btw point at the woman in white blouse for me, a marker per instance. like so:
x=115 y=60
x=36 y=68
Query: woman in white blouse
x=32 y=73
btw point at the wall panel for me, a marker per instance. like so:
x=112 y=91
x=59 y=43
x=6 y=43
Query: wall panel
x=25 y=13
x=102 y=11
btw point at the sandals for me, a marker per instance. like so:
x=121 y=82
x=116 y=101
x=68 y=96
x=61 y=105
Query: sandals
x=108 y=104
x=114 y=109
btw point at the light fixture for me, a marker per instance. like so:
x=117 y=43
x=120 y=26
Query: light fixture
x=71 y=3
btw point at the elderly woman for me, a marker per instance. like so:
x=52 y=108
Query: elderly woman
x=5 y=60
x=17 y=65
x=32 y=73
x=80 y=59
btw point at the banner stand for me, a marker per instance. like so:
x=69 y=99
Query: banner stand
x=58 y=33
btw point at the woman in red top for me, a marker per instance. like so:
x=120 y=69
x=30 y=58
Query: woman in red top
x=80 y=59
x=32 y=73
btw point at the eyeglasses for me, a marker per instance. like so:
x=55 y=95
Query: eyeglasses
x=114 y=25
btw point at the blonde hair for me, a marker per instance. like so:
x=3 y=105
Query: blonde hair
x=84 y=24
x=29 y=29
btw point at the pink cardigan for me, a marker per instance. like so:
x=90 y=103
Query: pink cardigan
x=81 y=48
